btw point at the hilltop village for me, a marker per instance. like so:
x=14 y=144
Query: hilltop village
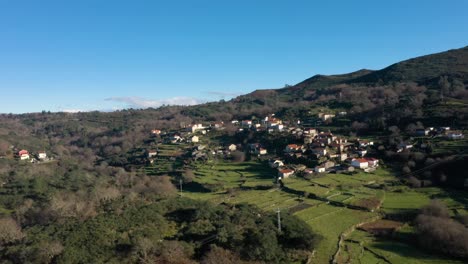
x=289 y=147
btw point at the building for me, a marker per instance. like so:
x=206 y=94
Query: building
x=373 y=162
x=152 y=153
x=195 y=139
x=232 y=147
x=42 y=155
x=360 y=163
x=293 y=148
x=23 y=154
x=276 y=163
x=196 y=127
x=155 y=132
x=319 y=151
x=454 y=135
x=261 y=151
x=320 y=169
x=285 y=173
x=246 y=123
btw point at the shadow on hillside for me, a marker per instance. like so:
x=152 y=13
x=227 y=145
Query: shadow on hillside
x=406 y=250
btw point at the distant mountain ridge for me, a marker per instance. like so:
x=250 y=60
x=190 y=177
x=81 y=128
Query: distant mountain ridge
x=424 y=70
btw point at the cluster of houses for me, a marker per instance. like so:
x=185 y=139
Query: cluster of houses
x=332 y=153
x=445 y=132
x=25 y=155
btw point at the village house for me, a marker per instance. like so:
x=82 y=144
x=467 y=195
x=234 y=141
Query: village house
x=373 y=162
x=42 y=155
x=246 y=123
x=342 y=156
x=404 y=146
x=364 y=143
x=422 y=132
x=23 y=154
x=328 y=164
x=218 y=125
x=194 y=139
x=325 y=117
x=152 y=153
x=175 y=138
x=260 y=151
x=319 y=151
x=361 y=152
x=360 y=163
x=293 y=148
x=310 y=131
x=454 y=135
x=155 y=132
x=320 y=169
x=232 y=147
x=285 y=173
x=275 y=163
x=308 y=171
x=194 y=128
x=308 y=139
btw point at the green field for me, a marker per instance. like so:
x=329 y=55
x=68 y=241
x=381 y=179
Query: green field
x=327 y=214
x=361 y=247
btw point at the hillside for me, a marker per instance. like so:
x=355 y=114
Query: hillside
x=422 y=70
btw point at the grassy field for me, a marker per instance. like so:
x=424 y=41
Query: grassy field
x=327 y=214
x=361 y=247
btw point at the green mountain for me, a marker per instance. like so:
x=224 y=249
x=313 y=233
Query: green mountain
x=424 y=88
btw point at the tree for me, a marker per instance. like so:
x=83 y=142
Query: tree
x=218 y=255
x=188 y=176
x=10 y=231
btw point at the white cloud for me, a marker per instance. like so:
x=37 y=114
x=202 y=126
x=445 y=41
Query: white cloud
x=139 y=102
x=73 y=110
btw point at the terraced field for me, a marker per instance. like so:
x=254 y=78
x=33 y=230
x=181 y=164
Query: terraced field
x=328 y=210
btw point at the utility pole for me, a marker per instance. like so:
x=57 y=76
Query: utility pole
x=180 y=184
x=279 y=219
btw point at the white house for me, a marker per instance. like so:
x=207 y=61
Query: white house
x=196 y=127
x=276 y=163
x=23 y=154
x=260 y=151
x=343 y=156
x=42 y=155
x=360 y=163
x=195 y=139
x=310 y=131
x=325 y=117
x=175 y=138
x=232 y=147
x=320 y=169
x=373 y=162
x=152 y=153
x=285 y=173
x=362 y=152
x=454 y=135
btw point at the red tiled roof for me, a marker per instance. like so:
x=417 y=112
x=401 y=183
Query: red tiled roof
x=23 y=152
x=361 y=160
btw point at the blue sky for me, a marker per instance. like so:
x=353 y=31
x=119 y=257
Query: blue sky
x=105 y=55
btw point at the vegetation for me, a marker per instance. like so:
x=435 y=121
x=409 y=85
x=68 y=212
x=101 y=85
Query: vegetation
x=111 y=190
